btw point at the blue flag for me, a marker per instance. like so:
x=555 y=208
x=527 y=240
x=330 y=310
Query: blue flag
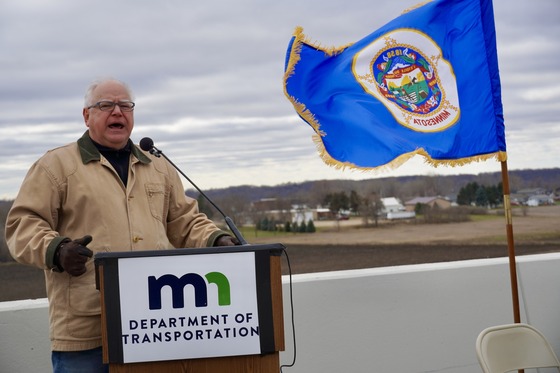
x=426 y=83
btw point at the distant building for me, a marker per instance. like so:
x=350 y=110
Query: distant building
x=272 y=208
x=532 y=197
x=278 y=211
x=322 y=213
x=540 y=199
x=531 y=191
x=518 y=199
x=394 y=209
x=301 y=214
x=391 y=204
x=267 y=204
x=438 y=202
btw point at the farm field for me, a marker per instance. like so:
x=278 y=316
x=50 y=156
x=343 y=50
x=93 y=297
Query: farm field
x=346 y=245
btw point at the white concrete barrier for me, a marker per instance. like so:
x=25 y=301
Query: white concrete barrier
x=418 y=318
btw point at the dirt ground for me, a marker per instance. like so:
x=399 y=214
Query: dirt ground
x=347 y=245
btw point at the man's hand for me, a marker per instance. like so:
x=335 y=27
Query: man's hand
x=226 y=241
x=73 y=255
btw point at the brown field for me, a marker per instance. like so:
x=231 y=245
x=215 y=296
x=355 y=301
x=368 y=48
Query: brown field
x=347 y=245
x=541 y=224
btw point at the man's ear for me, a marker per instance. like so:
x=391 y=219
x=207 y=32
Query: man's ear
x=85 y=113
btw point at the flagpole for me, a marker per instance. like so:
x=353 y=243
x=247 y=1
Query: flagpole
x=511 y=248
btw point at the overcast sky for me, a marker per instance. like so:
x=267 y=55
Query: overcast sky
x=207 y=76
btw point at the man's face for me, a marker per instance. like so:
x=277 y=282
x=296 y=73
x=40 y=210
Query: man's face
x=109 y=128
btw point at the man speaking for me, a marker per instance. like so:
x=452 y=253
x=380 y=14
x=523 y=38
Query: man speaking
x=99 y=194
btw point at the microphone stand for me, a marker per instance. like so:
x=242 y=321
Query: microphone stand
x=157 y=153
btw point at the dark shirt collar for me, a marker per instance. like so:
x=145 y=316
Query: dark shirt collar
x=89 y=152
x=104 y=149
x=119 y=158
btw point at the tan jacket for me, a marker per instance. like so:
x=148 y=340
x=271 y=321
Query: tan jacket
x=73 y=191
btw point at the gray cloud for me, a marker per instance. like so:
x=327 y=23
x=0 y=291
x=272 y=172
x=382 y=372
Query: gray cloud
x=208 y=81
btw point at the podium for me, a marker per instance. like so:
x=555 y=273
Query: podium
x=215 y=309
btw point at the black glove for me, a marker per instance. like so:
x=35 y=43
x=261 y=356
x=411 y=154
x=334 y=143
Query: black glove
x=226 y=241
x=71 y=256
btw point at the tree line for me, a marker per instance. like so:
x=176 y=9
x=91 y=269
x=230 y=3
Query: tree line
x=474 y=194
x=270 y=225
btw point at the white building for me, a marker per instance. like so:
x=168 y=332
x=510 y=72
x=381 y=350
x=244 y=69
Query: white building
x=540 y=199
x=394 y=209
x=391 y=204
x=301 y=214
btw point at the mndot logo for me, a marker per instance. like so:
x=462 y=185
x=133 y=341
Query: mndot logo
x=188 y=306
x=405 y=70
x=177 y=285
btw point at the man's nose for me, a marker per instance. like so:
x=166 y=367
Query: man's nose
x=116 y=110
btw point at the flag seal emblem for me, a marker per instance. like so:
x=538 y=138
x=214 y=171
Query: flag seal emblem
x=405 y=70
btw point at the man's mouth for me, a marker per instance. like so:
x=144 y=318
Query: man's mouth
x=116 y=125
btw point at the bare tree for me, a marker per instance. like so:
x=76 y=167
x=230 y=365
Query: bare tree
x=371 y=207
x=235 y=207
x=377 y=207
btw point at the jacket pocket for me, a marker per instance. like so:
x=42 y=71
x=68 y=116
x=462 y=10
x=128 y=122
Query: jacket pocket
x=155 y=194
x=83 y=297
x=84 y=305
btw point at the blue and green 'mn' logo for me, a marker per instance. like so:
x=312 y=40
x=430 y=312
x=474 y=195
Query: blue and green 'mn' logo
x=199 y=284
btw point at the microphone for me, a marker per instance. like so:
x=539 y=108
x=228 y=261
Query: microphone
x=147 y=144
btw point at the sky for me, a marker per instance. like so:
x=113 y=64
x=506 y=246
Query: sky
x=208 y=82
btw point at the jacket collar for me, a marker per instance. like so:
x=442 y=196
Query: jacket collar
x=89 y=152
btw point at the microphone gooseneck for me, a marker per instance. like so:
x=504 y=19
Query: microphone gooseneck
x=147 y=145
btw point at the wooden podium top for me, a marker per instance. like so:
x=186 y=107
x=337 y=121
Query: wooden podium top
x=273 y=249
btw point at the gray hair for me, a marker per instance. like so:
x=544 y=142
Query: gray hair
x=89 y=92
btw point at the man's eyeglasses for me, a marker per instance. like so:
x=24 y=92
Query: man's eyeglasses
x=110 y=105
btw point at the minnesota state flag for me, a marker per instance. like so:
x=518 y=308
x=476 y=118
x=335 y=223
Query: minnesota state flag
x=426 y=83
